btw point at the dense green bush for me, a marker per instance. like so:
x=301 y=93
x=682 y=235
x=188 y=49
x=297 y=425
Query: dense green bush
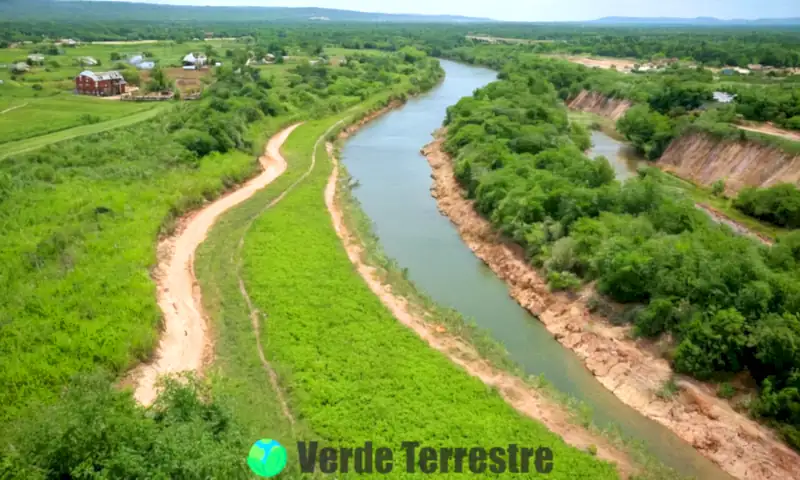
x=728 y=300
x=779 y=205
x=98 y=431
x=648 y=131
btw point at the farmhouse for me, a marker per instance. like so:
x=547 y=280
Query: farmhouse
x=102 y=84
x=36 y=58
x=192 y=60
x=20 y=67
x=146 y=65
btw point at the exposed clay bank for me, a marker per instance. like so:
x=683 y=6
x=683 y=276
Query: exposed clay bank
x=394 y=191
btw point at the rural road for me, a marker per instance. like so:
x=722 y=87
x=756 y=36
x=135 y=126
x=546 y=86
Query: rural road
x=184 y=344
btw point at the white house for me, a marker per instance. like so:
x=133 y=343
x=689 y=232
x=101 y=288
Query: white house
x=36 y=58
x=194 y=60
x=89 y=61
x=136 y=60
x=146 y=65
x=723 y=97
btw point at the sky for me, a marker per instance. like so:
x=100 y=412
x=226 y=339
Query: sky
x=541 y=10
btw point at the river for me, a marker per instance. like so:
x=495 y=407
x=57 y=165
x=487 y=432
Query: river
x=394 y=191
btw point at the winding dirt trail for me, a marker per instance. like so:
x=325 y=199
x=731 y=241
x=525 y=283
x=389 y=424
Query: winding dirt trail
x=184 y=344
x=522 y=397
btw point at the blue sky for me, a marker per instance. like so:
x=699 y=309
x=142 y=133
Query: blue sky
x=543 y=10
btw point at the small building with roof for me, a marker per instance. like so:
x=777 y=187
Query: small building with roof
x=194 y=60
x=103 y=84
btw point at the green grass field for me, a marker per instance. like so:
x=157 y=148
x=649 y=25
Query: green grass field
x=350 y=370
x=76 y=283
x=39 y=116
x=22 y=146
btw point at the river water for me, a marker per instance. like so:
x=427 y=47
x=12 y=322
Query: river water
x=394 y=191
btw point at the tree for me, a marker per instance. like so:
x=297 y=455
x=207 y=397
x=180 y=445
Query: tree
x=712 y=343
x=718 y=188
x=159 y=82
x=648 y=131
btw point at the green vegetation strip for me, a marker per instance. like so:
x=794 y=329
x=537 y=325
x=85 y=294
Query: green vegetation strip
x=22 y=146
x=351 y=371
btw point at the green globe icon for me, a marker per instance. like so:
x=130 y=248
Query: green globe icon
x=267 y=458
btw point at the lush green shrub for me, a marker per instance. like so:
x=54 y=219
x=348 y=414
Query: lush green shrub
x=99 y=431
x=779 y=205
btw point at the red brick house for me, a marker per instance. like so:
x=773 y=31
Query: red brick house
x=104 y=84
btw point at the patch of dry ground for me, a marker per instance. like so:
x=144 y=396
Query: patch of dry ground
x=184 y=344
x=770 y=129
x=739 y=445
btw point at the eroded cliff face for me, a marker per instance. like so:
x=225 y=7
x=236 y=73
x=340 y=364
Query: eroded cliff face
x=599 y=104
x=704 y=159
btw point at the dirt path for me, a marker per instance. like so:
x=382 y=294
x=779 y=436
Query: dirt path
x=739 y=445
x=737 y=227
x=522 y=397
x=12 y=108
x=768 y=129
x=184 y=344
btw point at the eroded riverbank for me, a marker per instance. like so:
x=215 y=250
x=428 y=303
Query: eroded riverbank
x=521 y=396
x=740 y=446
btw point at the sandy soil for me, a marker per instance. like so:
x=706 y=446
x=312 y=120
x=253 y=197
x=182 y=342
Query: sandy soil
x=604 y=63
x=184 y=344
x=630 y=369
x=770 y=129
x=514 y=390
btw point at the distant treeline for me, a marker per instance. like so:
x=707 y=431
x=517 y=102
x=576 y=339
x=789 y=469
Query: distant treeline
x=777 y=46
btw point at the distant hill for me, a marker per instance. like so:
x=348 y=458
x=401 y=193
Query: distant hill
x=707 y=21
x=70 y=10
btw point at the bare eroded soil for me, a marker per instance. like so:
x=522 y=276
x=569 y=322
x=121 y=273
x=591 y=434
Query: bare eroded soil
x=184 y=344
x=739 y=445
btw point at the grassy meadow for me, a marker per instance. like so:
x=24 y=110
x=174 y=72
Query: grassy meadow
x=350 y=370
x=38 y=116
x=76 y=271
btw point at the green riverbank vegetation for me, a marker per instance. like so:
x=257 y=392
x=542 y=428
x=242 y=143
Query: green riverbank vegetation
x=341 y=346
x=75 y=274
x=668 y=105
x=390 y=273
x=729 y=302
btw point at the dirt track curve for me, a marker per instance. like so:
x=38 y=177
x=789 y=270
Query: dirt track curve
x=184 y=344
